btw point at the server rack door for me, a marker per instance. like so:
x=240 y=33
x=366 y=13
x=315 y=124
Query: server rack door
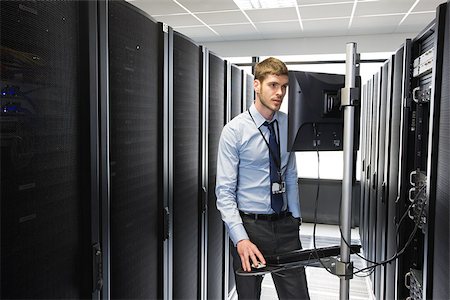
x=186 y=172
x=45 y=151
x=406 y=144
x=393 y=170
x=436 y=284
x=135 y=153
x=236 y=91
x=363 y=122
x=236 y=109
x=380 y=252
x=248 y=91
x=372 y=242
x=413 y=260
x=215 y=225
x=368 y=170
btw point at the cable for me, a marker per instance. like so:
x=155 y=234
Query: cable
x=375 y=264
x=398 y=253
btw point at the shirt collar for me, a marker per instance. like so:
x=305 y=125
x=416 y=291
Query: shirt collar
x=258 y=118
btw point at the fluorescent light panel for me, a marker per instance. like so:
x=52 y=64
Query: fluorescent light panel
x=257 y=4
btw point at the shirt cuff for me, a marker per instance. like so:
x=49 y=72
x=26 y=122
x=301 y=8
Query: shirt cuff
x=238 y=233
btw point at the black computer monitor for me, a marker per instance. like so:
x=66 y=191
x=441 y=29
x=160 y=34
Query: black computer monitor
x=316 y=120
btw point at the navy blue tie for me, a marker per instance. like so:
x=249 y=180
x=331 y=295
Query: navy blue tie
x=274 y=157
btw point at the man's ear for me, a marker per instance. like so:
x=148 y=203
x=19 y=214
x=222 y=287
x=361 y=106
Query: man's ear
x=256 y=85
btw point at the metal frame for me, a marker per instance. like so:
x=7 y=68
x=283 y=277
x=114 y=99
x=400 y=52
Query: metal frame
x=94 y=141
x=204 y=74
x=432 y=159
x=103 y=64
x=167 y=84
x=349 y=113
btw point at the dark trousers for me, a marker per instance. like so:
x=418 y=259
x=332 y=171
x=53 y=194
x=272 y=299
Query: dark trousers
x=272 y=237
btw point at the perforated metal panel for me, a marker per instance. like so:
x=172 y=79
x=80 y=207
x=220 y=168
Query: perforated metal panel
x=215 y=225
x=249 y=90
x=441 y=260
x=236 y=91
x=45 y=163
x=135 y=176
x=186 y=163
x=396 y=102
x=383 y=161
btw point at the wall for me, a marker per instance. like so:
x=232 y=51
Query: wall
x=322 y=45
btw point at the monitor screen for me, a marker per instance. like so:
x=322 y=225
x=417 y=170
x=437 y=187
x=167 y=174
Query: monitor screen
x=316 y=120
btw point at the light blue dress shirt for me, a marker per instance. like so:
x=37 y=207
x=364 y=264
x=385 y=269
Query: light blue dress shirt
x=243 y=173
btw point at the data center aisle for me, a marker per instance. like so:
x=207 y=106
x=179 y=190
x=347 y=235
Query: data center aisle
x=323 y=285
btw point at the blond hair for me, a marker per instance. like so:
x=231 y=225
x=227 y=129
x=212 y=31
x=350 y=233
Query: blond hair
x=270 y=66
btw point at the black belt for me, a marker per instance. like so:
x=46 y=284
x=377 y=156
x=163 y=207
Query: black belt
x=267 y=217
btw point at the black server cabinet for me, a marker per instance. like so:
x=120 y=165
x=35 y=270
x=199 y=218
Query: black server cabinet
x=372 y=203
x=411 y=264
x=235 y=105
x=426 y=202
x=45 y=150
x=236 y=91
x=367 y=161
x=186 y=168
x=216 y=234
x=363 y=149
x=249 y=98
x=436 y=255
x=398 y=69
x=135 y=153
x=382 y=176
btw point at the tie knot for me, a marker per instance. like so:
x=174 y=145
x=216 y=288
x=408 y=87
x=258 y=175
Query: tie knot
x=269 y=125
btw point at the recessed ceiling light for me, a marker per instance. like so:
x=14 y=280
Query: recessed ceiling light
x=257 y=4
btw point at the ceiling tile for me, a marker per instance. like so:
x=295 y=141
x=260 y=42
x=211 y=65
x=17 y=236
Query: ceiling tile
x=280 y=30
x=209 y=5
x=179 y=20
x=325 y=27
x=326 y=11
x=158 y=7
x=415 y=22
x=383 y=7
x=242 y=31
x=261 y=15
x=199 y=33
x=223 y=18
x=428 y=5
x=374 y=25
x=316 y=2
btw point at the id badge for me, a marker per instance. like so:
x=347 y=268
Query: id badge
x=278 y=187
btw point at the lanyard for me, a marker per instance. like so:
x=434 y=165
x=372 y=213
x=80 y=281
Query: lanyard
x=277 y=162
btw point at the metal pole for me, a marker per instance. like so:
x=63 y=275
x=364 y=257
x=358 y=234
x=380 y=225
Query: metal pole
x=349 y=113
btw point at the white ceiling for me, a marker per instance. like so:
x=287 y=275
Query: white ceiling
x=222 y=21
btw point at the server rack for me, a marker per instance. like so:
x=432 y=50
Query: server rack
x=412 y=264
x=439 y=191
x=372 y=207
x=47 y=151
x=382 y=176
x=236 y=91
x=135 y=153
x=393 y=170
x=436 y=140
x=216 y=235
x=186 y=168
x=234 y=107
x=247 y=90
x=415 y=189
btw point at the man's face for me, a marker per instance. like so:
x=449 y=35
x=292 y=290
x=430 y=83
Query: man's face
x=271 y=91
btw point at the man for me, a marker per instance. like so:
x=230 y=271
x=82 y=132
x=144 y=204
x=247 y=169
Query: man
x=256 y=186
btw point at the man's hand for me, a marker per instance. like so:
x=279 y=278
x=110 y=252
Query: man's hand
x=249 y=254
